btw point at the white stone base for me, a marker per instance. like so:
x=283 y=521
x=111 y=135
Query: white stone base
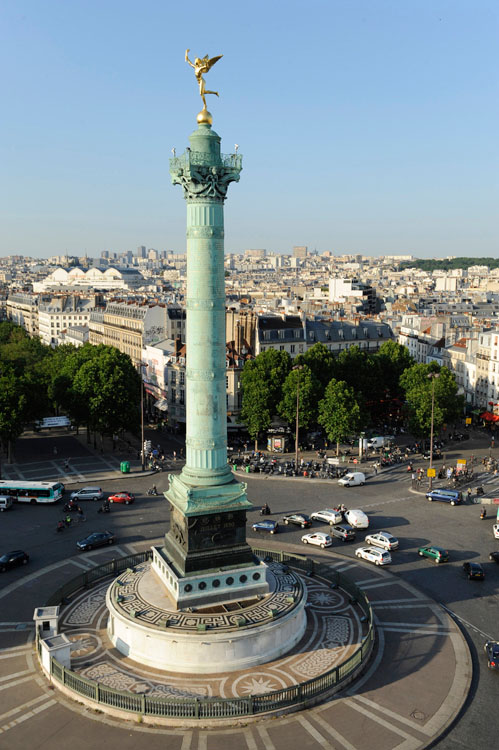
x=187 y=652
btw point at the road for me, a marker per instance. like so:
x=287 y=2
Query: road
x=390 y=504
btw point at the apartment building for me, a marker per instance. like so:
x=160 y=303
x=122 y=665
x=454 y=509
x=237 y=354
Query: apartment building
x=60 y=312
x=130 y=326
x=22 y=309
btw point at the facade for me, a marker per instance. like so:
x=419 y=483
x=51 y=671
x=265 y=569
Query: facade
x=341 y=290
x=22 y=309
x=58 y=313
x=130 y=326
x=94 y=278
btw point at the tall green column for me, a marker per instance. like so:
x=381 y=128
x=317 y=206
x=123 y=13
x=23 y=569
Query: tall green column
x=206 y=486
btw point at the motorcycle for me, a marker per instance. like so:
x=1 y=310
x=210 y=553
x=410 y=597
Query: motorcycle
x=483 y=514
x=70 y=507
x=152 y=491
x=104 y=509
x=265 y=511
x=60 y=526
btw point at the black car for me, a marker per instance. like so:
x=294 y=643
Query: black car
x=13 y=559
x=299 y=519
x=97 y=539
x=494 y=557
x=343 y=531
x=491 y=648
x=474 y=571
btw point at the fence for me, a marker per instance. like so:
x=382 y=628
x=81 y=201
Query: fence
x=217 y=708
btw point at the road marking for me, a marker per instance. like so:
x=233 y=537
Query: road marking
x=27 y=715
x=391 y=727
x=82 y=564
x=186 y=741
x=268 y=744
x=378 y=585
x=16 y=650
x=368 y=580
x=398 y=717
x=413 y=625
x=15 y=674
x=318 y=737
x=468 y=624
x=413 y=602
x=17 y=682
x=28 y=704
x=419 y=631
x=18 y=653
x=13 y=586
x=342 y=568
x=334 y=734
x=202 y=741
x=250 y=740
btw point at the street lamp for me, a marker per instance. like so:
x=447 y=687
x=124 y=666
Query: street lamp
x=432 y=376
x=297 y=367
x=142 y=451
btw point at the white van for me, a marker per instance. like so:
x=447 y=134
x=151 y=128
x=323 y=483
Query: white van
x=6 y=502
x=357 y=519
x=352 y=479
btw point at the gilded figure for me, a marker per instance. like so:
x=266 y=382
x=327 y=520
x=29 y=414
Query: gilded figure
x=202 y=66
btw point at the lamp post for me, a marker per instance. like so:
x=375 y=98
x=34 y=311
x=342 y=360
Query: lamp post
x=432 y=376
x=142 y=451
x=297 y=367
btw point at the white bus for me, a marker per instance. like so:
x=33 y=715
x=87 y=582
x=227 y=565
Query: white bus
x=32 y=492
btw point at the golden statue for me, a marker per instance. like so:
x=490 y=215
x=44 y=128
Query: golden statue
x=202 y=65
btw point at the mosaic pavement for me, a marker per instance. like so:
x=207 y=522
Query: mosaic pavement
x=333 y=633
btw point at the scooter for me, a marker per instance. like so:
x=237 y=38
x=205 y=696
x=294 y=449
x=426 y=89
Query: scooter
x=265 y=510
x=104 y=509
x=483 y=514
x=152 y=491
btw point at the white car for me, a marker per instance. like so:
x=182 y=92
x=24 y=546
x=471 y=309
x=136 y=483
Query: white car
x=357 y=519
x=382 y=539
x=329 y=515
x=321 y=540
x=495 y=529
x=374 y=555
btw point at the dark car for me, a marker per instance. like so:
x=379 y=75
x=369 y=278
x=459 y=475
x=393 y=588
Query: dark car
x=13 y=559
x=271 y=527
x=474 y=571
x=494 y=557
x=491 y=648
x=97 y=539
x=343 y=531
x=299 y=519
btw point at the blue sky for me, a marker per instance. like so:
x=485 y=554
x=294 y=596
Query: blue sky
x=366 y=126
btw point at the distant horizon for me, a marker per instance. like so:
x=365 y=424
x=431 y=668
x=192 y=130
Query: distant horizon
x=365 y=124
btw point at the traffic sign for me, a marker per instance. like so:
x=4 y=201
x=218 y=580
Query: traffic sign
x=430 y=473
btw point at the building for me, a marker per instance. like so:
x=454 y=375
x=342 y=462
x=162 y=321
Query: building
x=300 y=251
x=22 y=309
x=130 y=326
x=342 y=290
x=60 y=312
x=94 y=278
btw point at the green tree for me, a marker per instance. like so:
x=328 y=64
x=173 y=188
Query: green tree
x=340 y=414
x=320 y=362
x=261 y=382
x=308 y=397
x=12 y=407
x=448 y=406
x=393 y=360
x=110 y=385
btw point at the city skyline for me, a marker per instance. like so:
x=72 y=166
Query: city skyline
x=366 y=127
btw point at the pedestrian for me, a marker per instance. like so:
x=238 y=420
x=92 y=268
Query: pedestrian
x=375 y=469
x=55 y=450
x=66 y=464
x=174 y=455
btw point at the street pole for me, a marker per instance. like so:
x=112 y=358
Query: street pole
x=142 y=451
x=432 y=375
x=297 y=367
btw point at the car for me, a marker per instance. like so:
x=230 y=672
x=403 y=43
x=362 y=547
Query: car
x=454 y=497
x=491 y=648
x=96 y=539
x=474 y=571
x=374 y=555
x=438 y=554
x=13 y=559
x=436 y=455
x=122 y=497
x=299 y=519
x=352 y=479
x=356 y=518
x=270 y=527
x=321 y=540
x=495 y=529
x=87 y=493
x=343 y=531
x=328 y=515
x=494 y=557
x=383 y=539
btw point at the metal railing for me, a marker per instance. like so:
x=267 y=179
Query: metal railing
x=218 y=708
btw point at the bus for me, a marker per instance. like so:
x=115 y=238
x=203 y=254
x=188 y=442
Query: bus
x=32 y=492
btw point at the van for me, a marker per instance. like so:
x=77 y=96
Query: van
x=6 y=502
x=87 y=493
x=352 y=479
x=357 y=519
x=454 y=497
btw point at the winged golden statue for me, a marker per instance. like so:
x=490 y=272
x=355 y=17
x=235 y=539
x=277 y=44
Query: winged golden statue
x=202 y=65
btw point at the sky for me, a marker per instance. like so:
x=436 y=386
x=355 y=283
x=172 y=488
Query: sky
x=366 y=126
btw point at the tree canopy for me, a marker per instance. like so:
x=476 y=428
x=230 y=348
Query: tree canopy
x=339 y=412
x=418 y=384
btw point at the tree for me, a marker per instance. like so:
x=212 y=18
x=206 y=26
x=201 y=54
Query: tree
x=310 y=389
x=339 y=412
x=448 y=406
x=393 y=359
x=320 y=362
x=12 y=407
x=261 y=382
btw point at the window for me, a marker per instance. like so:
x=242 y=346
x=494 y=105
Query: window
x=182 y=377
x=292 y=348
x=174 y=394
x=182 y=397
